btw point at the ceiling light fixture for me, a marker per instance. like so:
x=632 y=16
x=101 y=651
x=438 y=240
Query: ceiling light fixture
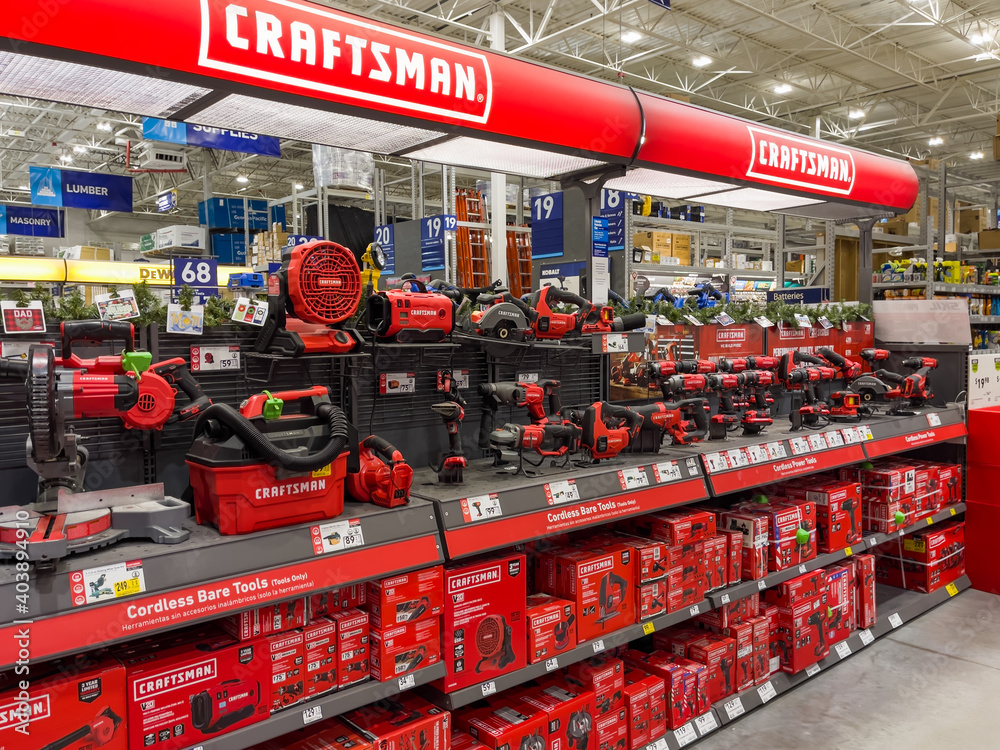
x=242 y=179
x=23 y=187
x=631 y=36
x=976 y=155
x=782 y=88
x=701 y=62
x=79 y=149
x=935 y=141
x=856 y=114
x=66 y=158
x=105 y=126
x=983 y=56
x=299 y=186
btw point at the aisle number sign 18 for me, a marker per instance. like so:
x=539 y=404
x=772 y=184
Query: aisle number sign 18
x=201 y=274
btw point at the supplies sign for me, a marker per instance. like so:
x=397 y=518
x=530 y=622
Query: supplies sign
x=107 y=582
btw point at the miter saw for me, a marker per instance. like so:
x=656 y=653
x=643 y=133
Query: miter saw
x=63 y=518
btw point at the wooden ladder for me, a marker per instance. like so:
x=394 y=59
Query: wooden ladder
x=519 y=262
x=470 y=243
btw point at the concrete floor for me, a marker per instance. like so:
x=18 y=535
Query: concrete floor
x=931 y=684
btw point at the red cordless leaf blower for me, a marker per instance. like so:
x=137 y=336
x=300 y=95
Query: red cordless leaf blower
x=588 y=317
x=411 y=315
x=317 y=288
x=384 y=478
x=97 y=733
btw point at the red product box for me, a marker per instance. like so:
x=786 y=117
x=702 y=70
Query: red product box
x=797 y=589
x=337 y=600
x=838 y=513
x=949 y=483
x=570 y=713
x=266 y=620
x=718 y=653
x=404 y=649
x=405 y=598
x=716 y=557
x=887 y=517
x=761 y=648
x=465 y=741
x=885 y=482
x=321 y=657
x=550 y=626
x=286 y=652
x=753 y=527
x=650 y=557
x=651 y=690
x=484 y=628
x=840 y=602
x=926 y=561
x=734 y=547
x=194 y=691
x=653 y=598
x=637 y=707
x=505 y=724
x=603 y=675
x=864 y=590
x=683 y=679
x=676 y=639
x=802 y=631
x=680 y=526
x=404 y=723
x=330 y=735
x=353 y=648
x=611 y=730
x=71 y=696
x=601 y=583
x=743 y=671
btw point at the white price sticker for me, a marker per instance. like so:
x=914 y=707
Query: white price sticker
x=488 y=688
x=614 y=342
x=725 y=598
x=757 y=454
x=777 y=450
x=737 y=458
x=706 y=723
x=481 y=508
x=761 y=584
x=895 y=620
x=850 y=435
x=397 y=383
x=668 y=471
x=766 y=691
x=557 y=493
x=802 y=569
x=551 y=664
x=312 y=714
x=660 y=744
x=834 y=439
x=685 y=735
x=695 y=610
x=211 y=358
x=843 y=650
x=107 y=582
x=598 y=646
x=337 y=536
x=866 y=637
x=866 y=433
x=799 y=446
x=812 y=670
x=716 y=462
x=633 y=479
x=933 y=419
x=407 y=681
x=527 y=377
x=817 y=441
x=734 y=708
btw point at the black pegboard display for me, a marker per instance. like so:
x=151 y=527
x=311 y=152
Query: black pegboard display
x=581 y=374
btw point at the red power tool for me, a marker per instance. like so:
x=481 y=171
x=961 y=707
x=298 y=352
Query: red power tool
x=217 y=708
x=384 y=478
x=757 y=390
x=410 y=315
x=541 y=399
x=740 y=364
x=666 y=368
x=607 y=429
x=807 y=409
x=317 y=288
x=686 y=422
x=97 y=733
x=725 y=386
x=452 y=464
x=586 y=319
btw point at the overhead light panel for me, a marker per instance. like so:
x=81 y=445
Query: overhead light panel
x=701 y=62
x=242 y=179
x=104 y=127
x=65 y=158
x=501 y=157
x=664 y=184
x=630 y=37
x=935 y=141
x=856 y=114
x=23 y=187
x=752 y=199
x=983 y=56
x=79 y=149
x=782 y=88
x=299 y=186
x=976 y=155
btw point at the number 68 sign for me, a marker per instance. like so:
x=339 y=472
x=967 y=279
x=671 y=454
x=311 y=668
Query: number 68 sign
x=200 y=273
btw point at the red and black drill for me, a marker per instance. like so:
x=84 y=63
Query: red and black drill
x=686 y=422
x=452 y=464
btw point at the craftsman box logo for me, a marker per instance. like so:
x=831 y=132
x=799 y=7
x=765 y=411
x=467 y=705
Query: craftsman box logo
x=799 y=162
x=321 y=50
x=182 y=677
x=731 y=334
x=482 y=577
x=598 y=566
x=16 y=713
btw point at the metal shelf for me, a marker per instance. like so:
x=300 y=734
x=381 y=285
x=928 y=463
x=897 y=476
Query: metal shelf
x=966 y=288
x=984 y=319
x=900 y=285
x=707 y=227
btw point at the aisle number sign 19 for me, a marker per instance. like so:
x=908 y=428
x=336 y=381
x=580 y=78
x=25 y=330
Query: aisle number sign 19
x=432 y=240
x=547 y=226
x=199 y=273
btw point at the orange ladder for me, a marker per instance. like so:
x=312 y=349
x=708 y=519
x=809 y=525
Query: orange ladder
x=519 y=262
x=470 y=243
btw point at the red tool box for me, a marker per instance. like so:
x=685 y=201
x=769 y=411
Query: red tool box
x=924 y=561
x=840 y=621
x=353 y=647
x=678 y=526
x=405 y=722
x=864 y=590
x=798 y=589
x=753 y=560
x=716 y=562
x=336 y=600
x=801 y=634
x=605 y=676
x=718 y=653
x=611 y=729
x=465 y=741
x=551 y=626
x=405 y=648
x=742 y=634
x=838 y=511
x=409 y=597
x=266 y=620
x=645 y=701
x=506 y=723
x=602 y=584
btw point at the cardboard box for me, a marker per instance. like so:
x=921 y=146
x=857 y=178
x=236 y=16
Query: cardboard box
x=838 y=512
x=761 y=648
x=505 y=724
x=550 y=626
x=734 y=538
x=800 y=588
x=465 y=741
x=286 y=652
x=864 y=590
x=753 y=527
x=604 y=676
x=681 y=248
x=337 y=600
x=716 y=561
x=601 y=582
x=611 y=729
x=652 y=598
x=569 y=714
x=353 y=648
x=484 y=628
x=405 y=648
x=928 y=560
x=637 y=706
x=332 y=734
x=718 y=653
x=266 y=620
x=194 y=691
x=743 y=670
x=321 y=657
x=64 y=697
x=654 y=688
x=650 y=559
x=840 y=621
x=801 y=634
x=685 y=683
x=181 y=236
x=989 y=239
x=680 y=526
x=405 y=598
x=406 y=722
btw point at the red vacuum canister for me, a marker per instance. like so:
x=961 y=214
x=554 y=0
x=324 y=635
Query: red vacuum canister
x=280 y=460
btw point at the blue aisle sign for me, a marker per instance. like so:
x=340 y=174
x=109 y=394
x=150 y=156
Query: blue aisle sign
x=300 y=239
x=385 y=237
x=432 y=236
x=547 y=226
x=60 y=187
x=805 y=295
x=31 y=222
x=166 y=201
x=613 y=209
x=201 y=274
x=600 y=237
x=661 y=3
x=201 y=135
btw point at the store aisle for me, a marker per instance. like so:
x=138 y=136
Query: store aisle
x=931 y=684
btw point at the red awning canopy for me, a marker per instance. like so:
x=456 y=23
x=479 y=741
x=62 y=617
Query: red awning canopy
x=307 y=72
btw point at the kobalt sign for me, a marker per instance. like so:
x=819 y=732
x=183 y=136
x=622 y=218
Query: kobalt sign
x=302 y=45
x=799 y=162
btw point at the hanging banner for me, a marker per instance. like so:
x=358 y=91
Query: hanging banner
x=31 y=222
x=223 y=139
x=100 y=192
x=600 y=262
x=613 y=209
x=166 y=201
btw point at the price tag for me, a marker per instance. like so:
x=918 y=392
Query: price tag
x=866 y=637
x=685 y=735
x=706 y=723
x=952 y=589
x=895 y=620
x=481 y=508
x=551 y=664
x=843 y=650
x=633 y=479
x=407 y=681
x=734 y=708
x=488 y=688
x=812 y=670
x=725 y=319
x=848 y=551
x=668 y=471
x=763 y=322
x=761 y=584
x=250 y=311
x=557 y=493
x=777 y=450
x=737 y=458
x=930 y=521
x=693 y=320
x=527 y=377
x=212 y=358
x=312 y=714
x=459 y=377
x=802 y=569
x=850 y=435
x=952 y=511
x=715 y=462
x=397 y=383
x=107 y=582
x=757 y=454
x=695 y=610
x=598 y=646
x=648 y=628
x=825 y=322
x=933 y=419
x=614 y=342
x=865 y=432
x=802 y=320
x=799 y=446
x=660 y=744
x=725 y=598
x=834 y=439
x=817 y=441
x=337 y=536
x=766 y=691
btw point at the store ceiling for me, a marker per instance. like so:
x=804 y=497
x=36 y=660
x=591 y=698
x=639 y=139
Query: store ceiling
x=885 y=75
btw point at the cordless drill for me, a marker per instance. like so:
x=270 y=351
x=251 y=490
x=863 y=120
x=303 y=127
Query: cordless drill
x=739 y=364
x=452 y=412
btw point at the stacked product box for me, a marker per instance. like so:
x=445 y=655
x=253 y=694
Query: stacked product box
x=404 y=614
x=569 y=713
x=685 y=683
x=266 y=620
x=799 y=611
x=551 y=626
x=286 y=652
x=754 y=531
x=645 y=702
x=506 y=722
x=406 y=722
x=925 y=560
x=864 y=590
x=838 y=510
x=840 y=600
x=332 y=734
